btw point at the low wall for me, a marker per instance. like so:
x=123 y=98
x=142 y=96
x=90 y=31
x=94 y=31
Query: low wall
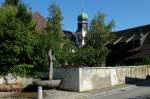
x=89 y=78
x=70 y=78
x=10 y=79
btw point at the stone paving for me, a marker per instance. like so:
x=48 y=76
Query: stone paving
x=57 y=94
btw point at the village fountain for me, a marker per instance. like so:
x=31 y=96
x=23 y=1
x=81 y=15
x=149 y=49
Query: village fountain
x=50 y=83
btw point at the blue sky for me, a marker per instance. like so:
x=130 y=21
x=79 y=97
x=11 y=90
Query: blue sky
x=126 y=13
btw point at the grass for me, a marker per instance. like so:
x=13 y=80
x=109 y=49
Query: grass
x=147 y=66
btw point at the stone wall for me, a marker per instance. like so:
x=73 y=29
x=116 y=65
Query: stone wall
x=89 y=78
x=130 y=74
x=96 y=78
x=70 y=78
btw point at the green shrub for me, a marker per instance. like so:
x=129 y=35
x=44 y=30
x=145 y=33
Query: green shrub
x=22 y=70
x=146 y=61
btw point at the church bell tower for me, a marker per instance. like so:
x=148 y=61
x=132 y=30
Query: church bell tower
x=82 y=29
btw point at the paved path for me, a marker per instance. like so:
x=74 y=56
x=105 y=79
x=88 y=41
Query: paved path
x=141 y=91
x=57 y=94
x=138 y=91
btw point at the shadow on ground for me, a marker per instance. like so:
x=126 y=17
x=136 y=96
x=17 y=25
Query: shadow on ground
x=141 y=97
x=138 y=81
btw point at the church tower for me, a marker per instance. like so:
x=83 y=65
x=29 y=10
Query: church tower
x=82 y=29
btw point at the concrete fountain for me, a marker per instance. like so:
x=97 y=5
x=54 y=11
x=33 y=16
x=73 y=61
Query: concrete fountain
x=50 y=83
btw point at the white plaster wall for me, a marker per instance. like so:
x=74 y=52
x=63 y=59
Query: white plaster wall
x=89 y=78
x=114 y=77
x=96 y=78
x=131 y=73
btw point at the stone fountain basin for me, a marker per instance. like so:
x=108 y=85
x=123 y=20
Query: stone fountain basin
x=49 y=83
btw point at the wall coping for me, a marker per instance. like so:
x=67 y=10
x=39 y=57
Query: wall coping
x=105 y=67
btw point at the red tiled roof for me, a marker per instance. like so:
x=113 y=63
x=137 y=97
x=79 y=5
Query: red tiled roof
x=40 y=20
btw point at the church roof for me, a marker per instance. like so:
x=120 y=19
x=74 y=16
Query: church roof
x=82 y=16
x=69 y=35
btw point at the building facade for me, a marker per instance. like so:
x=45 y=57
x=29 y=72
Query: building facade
x=131 y=47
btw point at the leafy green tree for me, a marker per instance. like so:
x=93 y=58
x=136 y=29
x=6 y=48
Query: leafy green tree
x=22 y=11
x=94 y=52
x=40 y=58
x=61 y=46
x=12 y=2
x=16 y=45
x=55 y=33
x=52 y=38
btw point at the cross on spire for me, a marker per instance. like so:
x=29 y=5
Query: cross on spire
x=82 y=5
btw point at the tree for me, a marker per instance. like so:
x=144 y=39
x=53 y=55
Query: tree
x=12 y=2
x=94 y=52
x=61 y=46
x=16 y=45
x=55 y=34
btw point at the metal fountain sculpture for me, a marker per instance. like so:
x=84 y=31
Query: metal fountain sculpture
x=50 y=60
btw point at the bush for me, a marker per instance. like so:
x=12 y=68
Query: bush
x=22 y=70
